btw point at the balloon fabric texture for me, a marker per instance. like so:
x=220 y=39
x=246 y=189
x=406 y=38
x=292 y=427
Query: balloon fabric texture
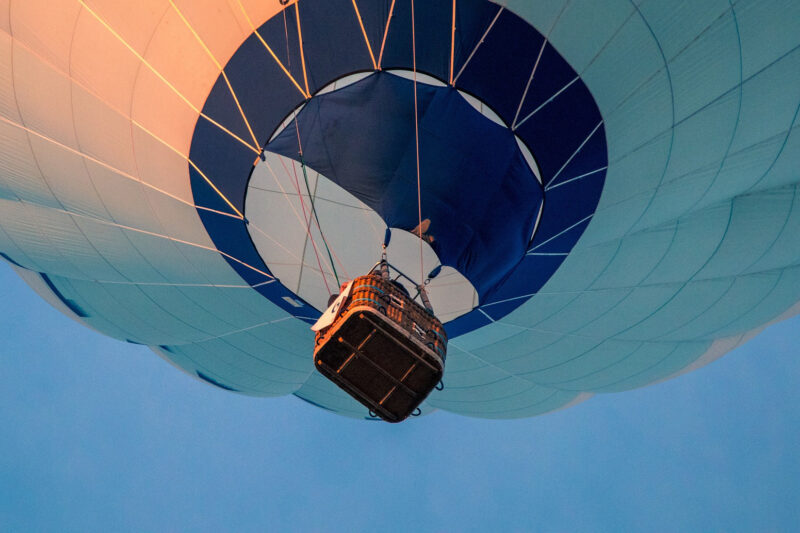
x=609 y=190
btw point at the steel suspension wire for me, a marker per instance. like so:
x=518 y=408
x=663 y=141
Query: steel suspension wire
x=416 y=141
x=305 y=173
x=316 y=218
x=307 y=224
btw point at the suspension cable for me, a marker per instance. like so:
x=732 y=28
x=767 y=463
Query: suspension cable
x=416 y=140
x=316 y=218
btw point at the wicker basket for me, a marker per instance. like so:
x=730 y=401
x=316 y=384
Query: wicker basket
x=383 y=349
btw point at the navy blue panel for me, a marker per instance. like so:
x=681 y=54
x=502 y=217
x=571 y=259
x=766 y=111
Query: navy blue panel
x=564 y=240
x=374 y=15
x=280 y=33
x=166 y=348
x=223 y=160
x=497 y=73
x=557 y=130
x=550 y=78
x=386 y=136
x=266 y=94
x=477 y=190
x=4 y=256
x=331 y=54
x=237 y=245
x=567 y=205
x=585 y=161
x=433 y=23
x=214 y=382
x=205 y=195
x=473 y=18
x=221 y=107
x=535 y=270
x=465 y=323
x=71 y=305
x=502 y=65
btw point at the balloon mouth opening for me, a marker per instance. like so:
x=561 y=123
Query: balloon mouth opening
x=430 y=160
x=505 y=248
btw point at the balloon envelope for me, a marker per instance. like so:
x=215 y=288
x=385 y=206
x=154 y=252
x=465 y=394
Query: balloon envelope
x=610 y=190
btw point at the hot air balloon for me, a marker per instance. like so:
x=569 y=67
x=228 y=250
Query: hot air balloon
x=607 y=190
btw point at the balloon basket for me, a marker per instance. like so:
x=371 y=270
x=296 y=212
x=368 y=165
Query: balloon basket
x=382 y=348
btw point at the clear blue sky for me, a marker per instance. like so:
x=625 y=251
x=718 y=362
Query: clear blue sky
x=99 y=435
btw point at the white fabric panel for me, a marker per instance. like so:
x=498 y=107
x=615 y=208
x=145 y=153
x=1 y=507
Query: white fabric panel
x=19 y=173
x=175 y=54
x=45 y=26
x=5 y=23
x=625 y=63
x=325 y=394
x=709 y=65
x=53 y=240
x=698 y=146
x=101 y=62
x=780 y=17
x=65 y=174
x=220 y=26
x=679 y=356
x=103 y=133
x=756 y=222
x=783 y=167
x=234 y=369
x=765 y=119
x=627 y=361
x=8 y=100
x=744 y=292
x=14 y=253
x=44 y=98
x=598 y=22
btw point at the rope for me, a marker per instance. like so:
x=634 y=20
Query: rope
x=416 y=139
x=316 y=218
x=286 y=33
x=303 y=165
x=313 y=207
x=308 y=229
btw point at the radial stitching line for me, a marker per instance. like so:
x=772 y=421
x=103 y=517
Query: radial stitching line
x=535 y=65
x=576 y=152
x=690 y=174
x=364 y=33
x=584 y=175
x=45 y=182
x=297 y=215
x=162 y=78
x=221 y=69
x=113 y=169
x=560 y=233
x=738 y=114
x=109 y=167
x=158 y=235
x=307 y=224
x=480 y=42
x=501 y=369
x=543 y=104
x=271 y=53
x=452 y=42
x=385 y=33
x=113 y=32
x=99 y=196
x=300 y=44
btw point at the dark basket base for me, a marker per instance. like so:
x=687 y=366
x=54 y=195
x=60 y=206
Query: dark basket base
x=379 y=364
